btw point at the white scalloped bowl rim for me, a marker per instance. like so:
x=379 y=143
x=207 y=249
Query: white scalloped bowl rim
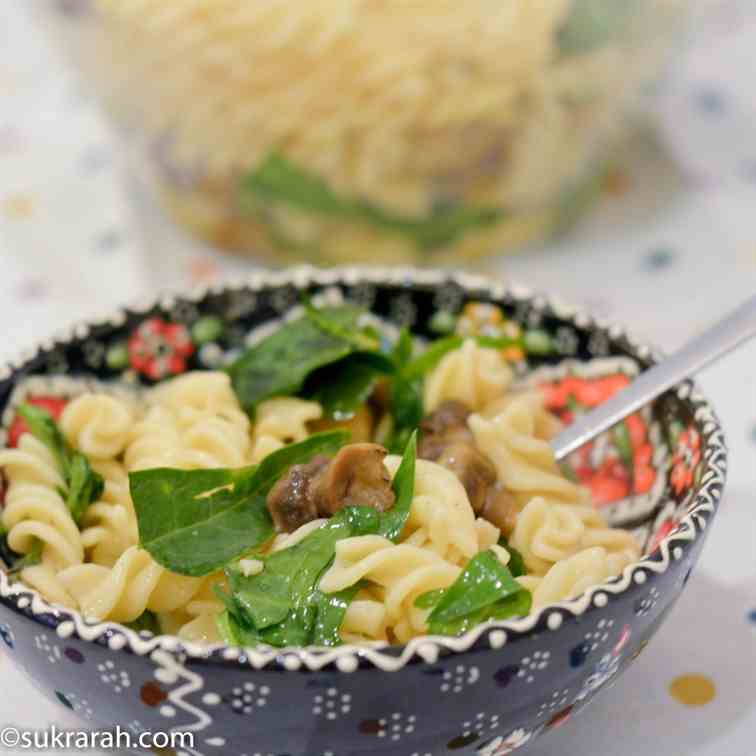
x=347 y=658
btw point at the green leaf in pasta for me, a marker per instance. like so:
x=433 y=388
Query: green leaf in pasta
x=148 y=621
x=485 y=590
x=194 y=522
x=43 y=427
x=330 y=611
x=341 y=388
x=393 y=520
x=430 y=599
x=30 y=559
x=362 y=339
x=516 y=563
x=281 y=605
x=431 y=357
x=83 y=486
x=484 y=581
x=280 y=363
x=279 y=180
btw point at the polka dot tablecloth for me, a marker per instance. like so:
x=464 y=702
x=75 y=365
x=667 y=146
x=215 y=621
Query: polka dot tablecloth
x=671 y=246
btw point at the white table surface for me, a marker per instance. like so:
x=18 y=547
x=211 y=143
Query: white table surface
x=678 y=249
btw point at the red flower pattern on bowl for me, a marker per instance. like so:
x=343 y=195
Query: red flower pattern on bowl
x=687 y=455
x=158 y=348
x=53 y=404
x=624 y=466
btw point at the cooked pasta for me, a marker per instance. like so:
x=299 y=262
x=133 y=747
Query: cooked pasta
x=441 y=518
x=402 y=570
x=122 y=593
x=109 y=526
x=548 y=532
x=569 y=577
x=471 y=375
x=525 y=463
x=279 y=421
x=330 y=539
x=98 y=425
x=193 y=421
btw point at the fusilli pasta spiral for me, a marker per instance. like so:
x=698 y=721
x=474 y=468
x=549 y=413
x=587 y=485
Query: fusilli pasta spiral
x=280 y=421
x=193 y=421
x=98 y=425
x=471 y=374
x=134 y=583
x=109 y=526
x=570 y=577
x=35 y=512
x=524 y=463
x=548 y=532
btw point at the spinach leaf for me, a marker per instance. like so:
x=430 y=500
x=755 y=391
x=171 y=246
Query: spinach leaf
x=407 y=409
x=83 y=485
x=330 y=611
x=278 y=179
x=195 y=521
x=341 y=388
x=280 y=363
x=516 y=563
x=484 y=581
x=393 y=520
x=265 y=600
x=430 y=599
x=485 y=590
x=431 y=356
x=360 y=338
x=43 y=427
x=148 y=621
x=281 y=605
x=30 y=559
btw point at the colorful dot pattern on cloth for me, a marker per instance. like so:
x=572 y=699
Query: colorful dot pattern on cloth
x=693 y=690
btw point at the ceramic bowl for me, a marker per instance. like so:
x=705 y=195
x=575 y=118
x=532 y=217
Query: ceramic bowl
x=489 y=692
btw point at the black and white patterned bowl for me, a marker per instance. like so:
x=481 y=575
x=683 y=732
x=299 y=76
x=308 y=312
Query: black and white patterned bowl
x=489 y=692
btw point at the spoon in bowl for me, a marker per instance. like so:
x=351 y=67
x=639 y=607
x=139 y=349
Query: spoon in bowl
x=713 y=343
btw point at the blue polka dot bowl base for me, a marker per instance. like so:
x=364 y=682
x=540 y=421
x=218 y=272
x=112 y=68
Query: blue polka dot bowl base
x=491 y=691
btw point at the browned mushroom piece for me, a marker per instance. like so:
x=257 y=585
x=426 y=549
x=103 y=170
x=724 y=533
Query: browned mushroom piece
x=473 y=469
x=500 y=508
x=449 y=415
x=290 y=501
x=355 y=477
x=448 y=441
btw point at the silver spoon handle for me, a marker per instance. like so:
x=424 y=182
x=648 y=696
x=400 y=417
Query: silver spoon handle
x=709 y=346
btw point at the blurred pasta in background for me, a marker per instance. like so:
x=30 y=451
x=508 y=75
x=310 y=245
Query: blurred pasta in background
x=342 y=130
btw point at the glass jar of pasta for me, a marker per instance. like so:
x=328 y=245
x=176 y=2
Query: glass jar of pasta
x=370 y=130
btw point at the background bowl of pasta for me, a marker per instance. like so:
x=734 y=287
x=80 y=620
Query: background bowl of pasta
x=391 y=132
x=219 y=515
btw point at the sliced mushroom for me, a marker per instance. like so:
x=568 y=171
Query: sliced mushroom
x=448 y=441
x=475 y=471
x=448 y=416
x=355 y=477
x=501 y=509
x=290 y=501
